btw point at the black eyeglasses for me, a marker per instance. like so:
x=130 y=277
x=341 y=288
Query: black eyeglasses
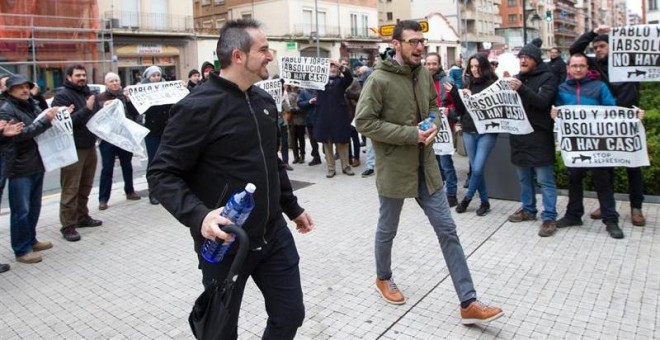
x=415 y=42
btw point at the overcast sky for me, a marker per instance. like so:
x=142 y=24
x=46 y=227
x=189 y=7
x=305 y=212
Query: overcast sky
x=635 y=6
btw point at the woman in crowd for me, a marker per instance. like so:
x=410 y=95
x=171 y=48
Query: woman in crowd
x=478 y=76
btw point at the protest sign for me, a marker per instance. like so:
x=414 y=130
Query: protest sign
x=444 y=141
x=111 y=125
x=634 y=53
x=601 y=136
x=144 y=96
x=497 y=109
x=307 y=72
x=274 y=89
x=56 y=145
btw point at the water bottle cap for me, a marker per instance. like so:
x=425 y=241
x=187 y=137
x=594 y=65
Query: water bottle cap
x=432 y=116
x=250 y=188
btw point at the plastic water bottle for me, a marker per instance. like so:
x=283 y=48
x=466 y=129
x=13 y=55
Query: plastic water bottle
x=237 y=210
x=427 y=123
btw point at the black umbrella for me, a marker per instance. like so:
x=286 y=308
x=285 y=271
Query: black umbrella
x=210 y=312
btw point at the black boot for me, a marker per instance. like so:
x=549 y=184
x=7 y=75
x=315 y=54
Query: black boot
x=461 y=207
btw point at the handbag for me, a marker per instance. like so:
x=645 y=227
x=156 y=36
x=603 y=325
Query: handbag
x=459 y=144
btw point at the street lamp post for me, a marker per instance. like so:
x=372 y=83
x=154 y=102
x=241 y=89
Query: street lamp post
x=535 y=18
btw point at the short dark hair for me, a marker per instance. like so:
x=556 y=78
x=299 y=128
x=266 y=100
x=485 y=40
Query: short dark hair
x=578 y=55
x=405 y=25
x=434 y=54
x=556 y=48
x=69 y=70
x=234 y=35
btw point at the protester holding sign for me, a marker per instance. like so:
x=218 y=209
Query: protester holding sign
x=579 y=89
x=23 y=167
x=627 y=95
x=76 y=179
x=333 y=124
x=533 y=154
x=109 y=151
x=479 y=76
x=155 y=119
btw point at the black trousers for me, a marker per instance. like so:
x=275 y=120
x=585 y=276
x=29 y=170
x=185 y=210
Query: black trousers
x=603 y=179
x=275 y=271
x=315 y=144
x=298 y=135
x=635 y=187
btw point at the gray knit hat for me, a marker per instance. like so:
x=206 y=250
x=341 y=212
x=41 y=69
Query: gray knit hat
x=149 y=71
x=533 y=50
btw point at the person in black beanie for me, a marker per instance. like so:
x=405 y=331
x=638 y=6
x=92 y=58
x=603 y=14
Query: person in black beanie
x=193 y=79
x=627 y=95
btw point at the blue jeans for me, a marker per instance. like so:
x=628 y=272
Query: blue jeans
x=108 y=153
x=448 y=172
x=276 y=272
x=371 y=155
x=545 y=178
x=437 y=210
x=25 y=204
x=478 y=148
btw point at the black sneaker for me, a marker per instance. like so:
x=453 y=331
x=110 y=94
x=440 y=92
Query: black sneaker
x=153 y=200
x=568 y=222
x=314 y=161
x=4 y=267
x=614 y=230
x=461 y=207
x=453 y=201
x=89 y=222
x=70 y=234
x=484 y=208
x=367 y=173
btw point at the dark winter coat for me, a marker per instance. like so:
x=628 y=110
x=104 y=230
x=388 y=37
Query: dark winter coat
x=20 y=152
x=77 y=95
x=218 y=140
x=333 y=122
x=558 y=68
x=626 y=94
x=538 y=92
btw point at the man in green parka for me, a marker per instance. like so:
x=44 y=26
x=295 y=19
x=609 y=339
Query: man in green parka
x=398 y=95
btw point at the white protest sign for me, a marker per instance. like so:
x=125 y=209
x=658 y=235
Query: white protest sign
x=497 y=109
x=444 y=141
x=634 y=53
x=56 y=145
x=601 y=136
x=111 y=125
x=307 y=72
x=144 y=96
x=274 y=88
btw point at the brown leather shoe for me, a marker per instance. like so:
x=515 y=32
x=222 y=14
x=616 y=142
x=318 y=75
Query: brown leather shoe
x=31 y=257
x=42 y=245
x=133 y=196
x=522 y=215
x=389 y=291
x=355 y=163
x=103 y=205
x=548 y=228
x=637 y=217
x=479 y=313
x=595 y=215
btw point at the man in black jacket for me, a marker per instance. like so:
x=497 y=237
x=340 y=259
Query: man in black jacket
x=76 y=179
x=24 y=168
x=534 y=153
x=557 y=65
x=627 y=95
x=220 y=137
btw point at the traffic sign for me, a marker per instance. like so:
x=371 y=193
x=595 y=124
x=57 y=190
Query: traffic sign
x=388 y=30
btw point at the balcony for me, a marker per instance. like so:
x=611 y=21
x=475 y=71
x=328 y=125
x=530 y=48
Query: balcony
x=150 y=22
x=309 y=30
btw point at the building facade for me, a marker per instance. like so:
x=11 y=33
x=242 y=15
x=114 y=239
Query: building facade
x=652 y=13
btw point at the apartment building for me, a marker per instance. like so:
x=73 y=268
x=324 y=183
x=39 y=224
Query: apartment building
x=525 y=20
x=652 y=13
x=569 y=23
x=343 y=28
x=150 y=32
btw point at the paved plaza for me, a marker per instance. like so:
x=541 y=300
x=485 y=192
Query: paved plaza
x=136 y=277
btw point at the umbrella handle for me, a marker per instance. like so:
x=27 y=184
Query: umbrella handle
x=241 y=254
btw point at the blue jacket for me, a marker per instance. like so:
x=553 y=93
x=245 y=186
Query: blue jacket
x=304 y=95
x=456 y=76
x=584 y=92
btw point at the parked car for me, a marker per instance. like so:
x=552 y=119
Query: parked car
x=95 y=88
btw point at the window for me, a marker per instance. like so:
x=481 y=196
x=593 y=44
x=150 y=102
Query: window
x=204 y=2
x=365 y=25
x=307 y=21
x=513 y=3
x=389 y=16
x=246 y=15
x=653 y=5
x=512 y=18
x=219 y=2
x=207 y=24
x=219 y=23
x=354 y=27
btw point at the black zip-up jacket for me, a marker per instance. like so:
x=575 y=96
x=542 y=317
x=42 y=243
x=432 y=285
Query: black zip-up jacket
x=218 y=139
x=626 y=94
x=538 y=92
x=21 y=153
x=77 y=95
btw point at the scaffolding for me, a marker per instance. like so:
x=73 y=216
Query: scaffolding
x=41 y=39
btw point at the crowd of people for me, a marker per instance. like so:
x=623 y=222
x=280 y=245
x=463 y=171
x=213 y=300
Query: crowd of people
x=192 y=149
